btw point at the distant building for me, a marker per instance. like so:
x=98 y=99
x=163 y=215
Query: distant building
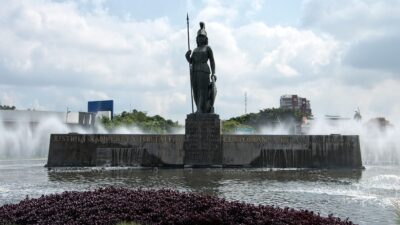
x=102 y=108
x=13 y=117
x=295 y=102
x=29 y=116
x=336 y=118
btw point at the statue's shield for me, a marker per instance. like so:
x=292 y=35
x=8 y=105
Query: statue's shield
x=212 y=93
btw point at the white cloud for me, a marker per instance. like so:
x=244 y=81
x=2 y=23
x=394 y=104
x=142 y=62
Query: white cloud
x=377 y=53
x=286 y=70
x=369 y=31
x=352 y=19
x=63 y=56
x=6 y=99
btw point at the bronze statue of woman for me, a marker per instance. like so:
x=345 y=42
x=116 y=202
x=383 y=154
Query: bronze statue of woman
x=204 y=90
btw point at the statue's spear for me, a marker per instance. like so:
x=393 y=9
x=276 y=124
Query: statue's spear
x=190 y=69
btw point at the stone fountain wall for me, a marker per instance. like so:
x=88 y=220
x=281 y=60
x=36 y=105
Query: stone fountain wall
x=115 y=150
x=292 y=151
x=274 y=151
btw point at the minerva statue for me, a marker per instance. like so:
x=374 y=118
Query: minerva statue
x=204 y=89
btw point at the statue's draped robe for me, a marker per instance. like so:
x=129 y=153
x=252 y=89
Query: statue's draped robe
x=200 y=73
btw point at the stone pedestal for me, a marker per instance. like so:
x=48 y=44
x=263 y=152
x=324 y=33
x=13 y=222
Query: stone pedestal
x=202 y=145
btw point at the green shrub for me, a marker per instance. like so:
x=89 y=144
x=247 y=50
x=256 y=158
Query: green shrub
x=148 y=124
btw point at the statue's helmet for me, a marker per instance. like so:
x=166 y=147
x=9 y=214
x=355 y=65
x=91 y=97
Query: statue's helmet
x=202 y=30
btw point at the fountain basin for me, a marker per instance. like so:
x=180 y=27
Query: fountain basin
x=273 y=151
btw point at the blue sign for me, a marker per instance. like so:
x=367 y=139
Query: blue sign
x=95 y=106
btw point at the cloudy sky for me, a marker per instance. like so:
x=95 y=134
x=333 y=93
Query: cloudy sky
x=340 y=54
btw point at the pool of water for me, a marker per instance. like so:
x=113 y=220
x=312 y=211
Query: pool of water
x=364 y=196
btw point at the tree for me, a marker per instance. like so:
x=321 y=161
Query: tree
x=270 y=117
x=6 y=107
x=149 y=124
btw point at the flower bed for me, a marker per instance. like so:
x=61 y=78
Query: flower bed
x=113 y=205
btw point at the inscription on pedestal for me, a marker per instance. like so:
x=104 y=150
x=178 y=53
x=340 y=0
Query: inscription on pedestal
x=202 y=144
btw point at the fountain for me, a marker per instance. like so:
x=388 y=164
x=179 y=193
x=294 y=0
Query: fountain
x=203 y=144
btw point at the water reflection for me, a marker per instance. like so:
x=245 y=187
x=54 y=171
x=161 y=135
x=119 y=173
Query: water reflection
x=364 y=196
x=198 y=180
